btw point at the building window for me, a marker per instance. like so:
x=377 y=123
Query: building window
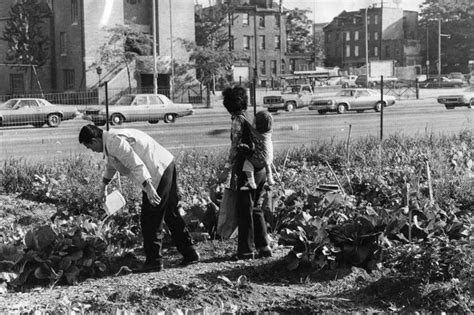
x=368 y=35
x=277 y=20
x=376 y=19
x=75 y=11
x=376 y=36
x=282 y=66
x=356 y=51
x=263 y=67
x=245 y=18
x=387 y=51
x=132 y=1
x=368 y=19
x=273 y=67
x=261 y=21
x=17 y=83
x=348 y=36
x=354 y=20
x=356 y=35
x=303 y=67
x=376 y=51
x=68 y=79
x=246 y=42
x=277 y=42
x=348 y=50
x=62 y=43
x=337 y=36
x=292 y=65
x=262 y=41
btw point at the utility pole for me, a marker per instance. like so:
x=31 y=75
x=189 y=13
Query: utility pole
x=254 y=96
x=155 y=83
x=171 y=52
x=439 y=47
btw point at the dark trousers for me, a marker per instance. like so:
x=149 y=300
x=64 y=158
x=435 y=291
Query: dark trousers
x=152 y=218
x=251 y=222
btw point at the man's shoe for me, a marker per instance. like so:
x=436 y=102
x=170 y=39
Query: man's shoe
x=192 y=257
x=242 y=256
x=150 y=266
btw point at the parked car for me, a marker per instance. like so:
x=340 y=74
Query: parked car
x=342 y=81
x=464 y=98
x=139 y=107
x=34 y=111
x=361 y=81
x=458 y=76
x=351 y=100
x=292 y=97
x=442 y=82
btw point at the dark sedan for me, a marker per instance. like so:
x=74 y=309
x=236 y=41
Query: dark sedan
x=442 y=82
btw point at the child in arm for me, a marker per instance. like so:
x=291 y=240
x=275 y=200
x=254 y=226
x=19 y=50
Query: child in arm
x=263 y=153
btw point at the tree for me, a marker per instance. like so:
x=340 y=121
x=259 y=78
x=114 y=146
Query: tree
x=210 y=55
x=298 y=29
x=27 y=41
x=122 y=48
x=457 y=21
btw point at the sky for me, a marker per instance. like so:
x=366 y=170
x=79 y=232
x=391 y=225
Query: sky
x=325 y=10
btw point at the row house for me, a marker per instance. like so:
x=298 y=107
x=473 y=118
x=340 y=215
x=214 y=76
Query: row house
x=258 y=33
x=392 y=34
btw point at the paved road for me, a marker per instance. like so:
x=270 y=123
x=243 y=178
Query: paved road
x=208 y=128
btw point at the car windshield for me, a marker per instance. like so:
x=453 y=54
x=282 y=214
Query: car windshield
x=291 y=90
x=8 y=104
x=125 y=100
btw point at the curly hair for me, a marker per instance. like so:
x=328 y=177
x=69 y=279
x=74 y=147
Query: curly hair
x=235 y=99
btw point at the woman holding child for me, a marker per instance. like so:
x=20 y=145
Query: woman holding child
x=251 y=222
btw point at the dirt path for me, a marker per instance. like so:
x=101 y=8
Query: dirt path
x=215 y=284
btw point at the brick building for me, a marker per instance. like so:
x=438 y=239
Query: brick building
x=262 y=24
x=76 y=31
x=392 y=34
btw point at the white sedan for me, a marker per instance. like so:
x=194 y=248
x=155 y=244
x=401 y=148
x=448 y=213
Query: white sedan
x=351 y=100
x=139 y=107
x=464 y=98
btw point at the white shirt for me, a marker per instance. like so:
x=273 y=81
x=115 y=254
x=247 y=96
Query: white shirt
x=134 y=154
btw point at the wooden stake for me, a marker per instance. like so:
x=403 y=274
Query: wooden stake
x=430 y=186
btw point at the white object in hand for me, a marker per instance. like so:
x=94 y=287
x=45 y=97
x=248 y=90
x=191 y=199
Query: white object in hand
x=114 y=202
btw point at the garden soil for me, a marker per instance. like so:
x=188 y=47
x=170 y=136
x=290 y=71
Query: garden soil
x=215 y=285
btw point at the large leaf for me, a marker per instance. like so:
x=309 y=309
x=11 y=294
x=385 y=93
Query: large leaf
x=40 y=238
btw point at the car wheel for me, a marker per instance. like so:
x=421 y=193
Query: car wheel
x=54 y=120
x=341 y=108
x=378 y=107
x=321 y=112
x=290 y=106
x=345 y=85
x=170 y=118
x=38 y=125
x=153 y=121
x=471 y=103
x=116 y=119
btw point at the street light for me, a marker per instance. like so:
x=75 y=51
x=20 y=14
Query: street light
x=439 y=45
x=99 y=72
x=366 y=51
